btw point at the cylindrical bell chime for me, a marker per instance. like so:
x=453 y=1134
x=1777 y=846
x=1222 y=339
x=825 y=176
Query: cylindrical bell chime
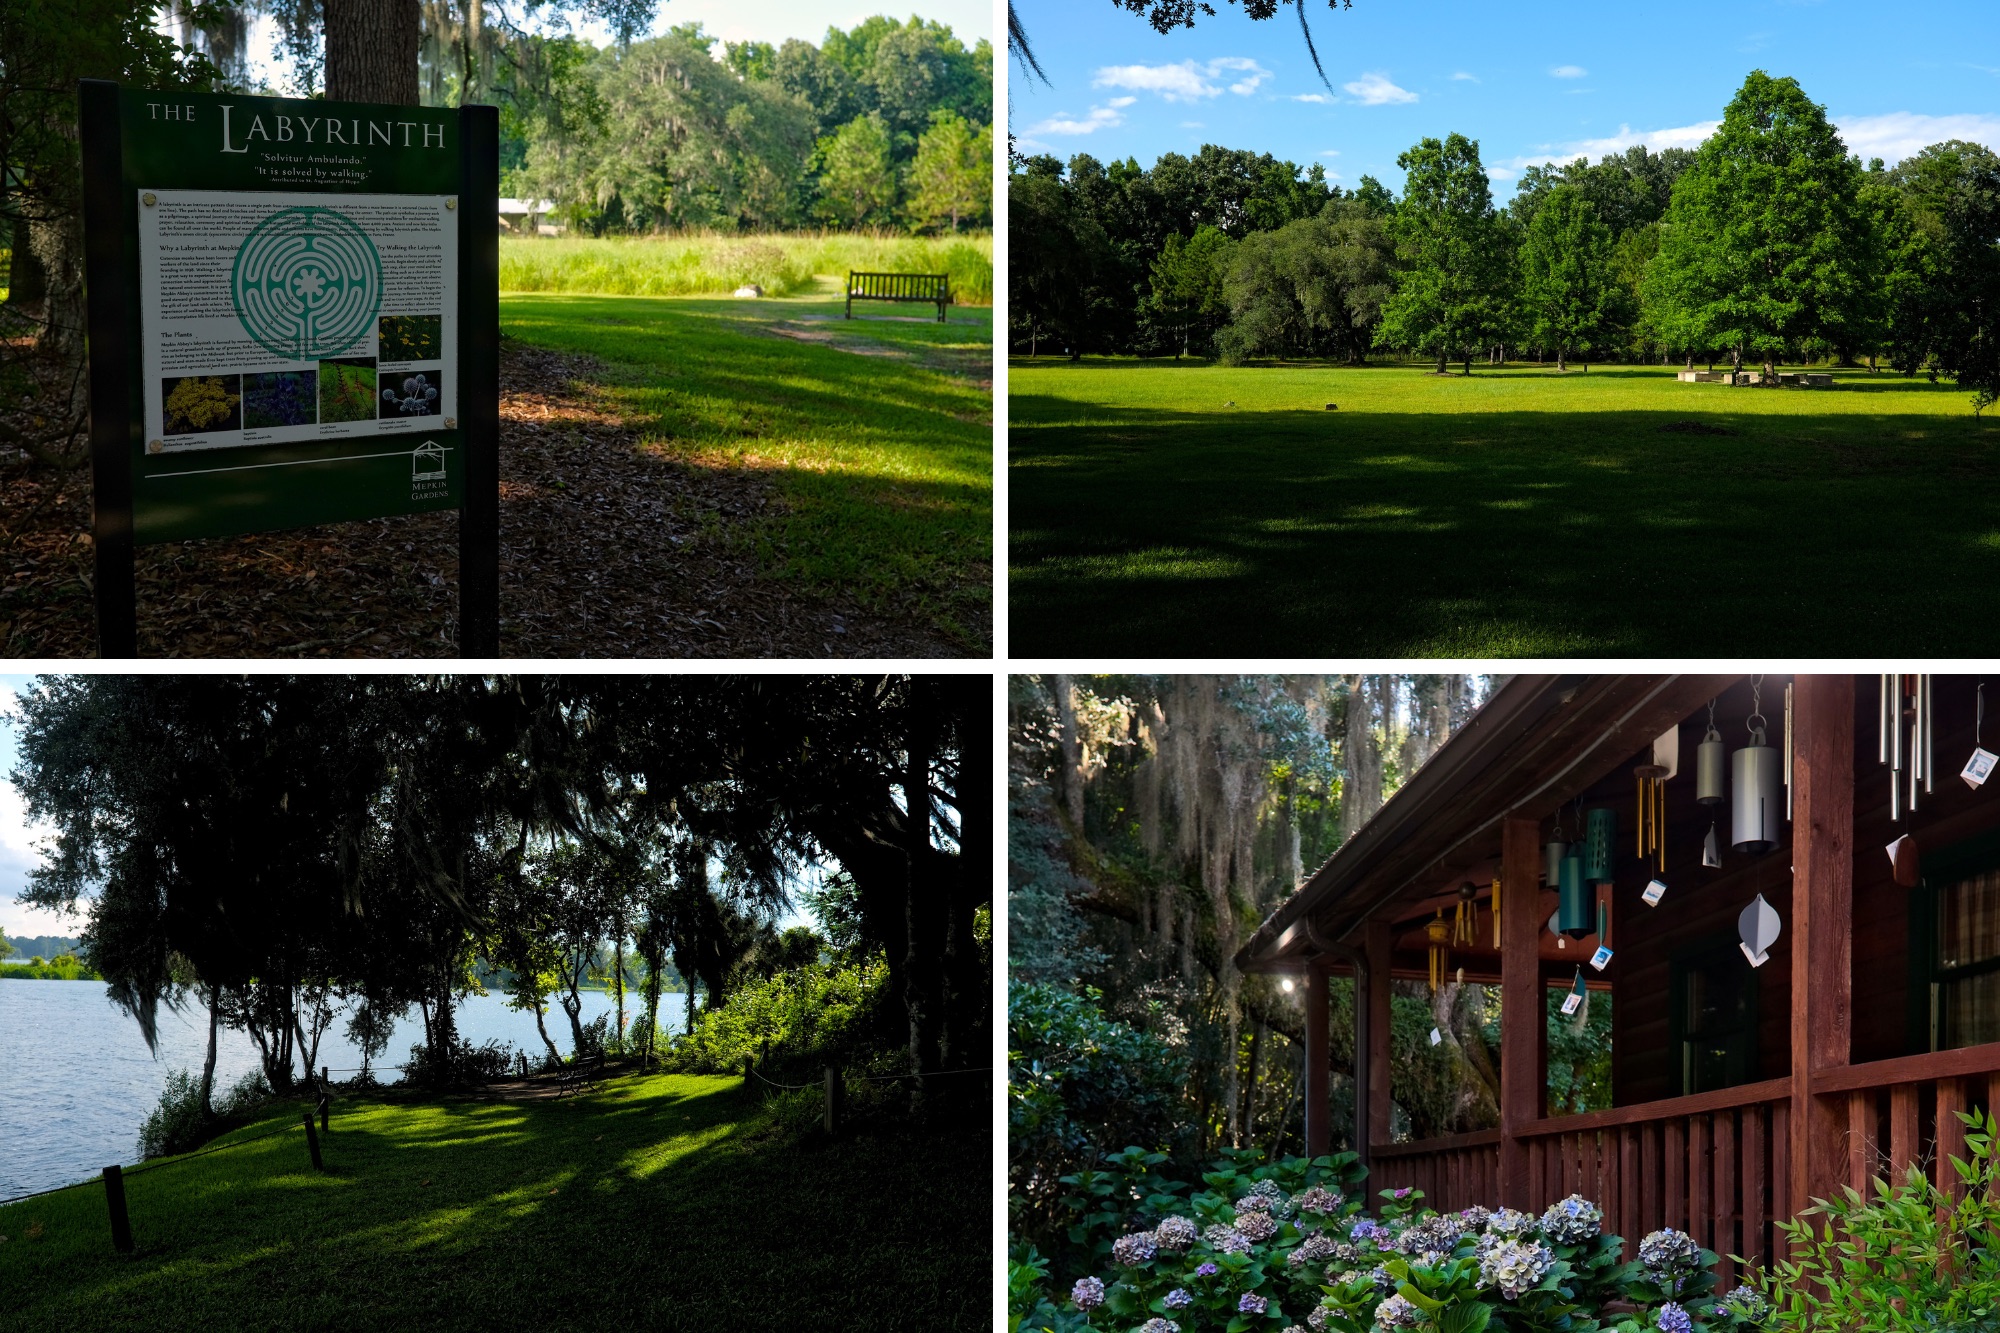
x=1573 y=899
x=1438 y=933
x=1600 y=833
x=1709 y=765
x=1757 y=810
x=1553 y=853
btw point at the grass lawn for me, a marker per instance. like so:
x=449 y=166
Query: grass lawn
x=878 y=431
x=1515 y=513
x=665 y=1202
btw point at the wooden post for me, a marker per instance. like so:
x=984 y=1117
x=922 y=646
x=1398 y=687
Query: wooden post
x=1950 y=1135
x=1364 y=1072
x=833 y=1090
x=312 y=1142
x=1522 y=1023
x=1318 y=1134
x=1822 y=927
x=1376 y=940
x=746 y=1073
x=114 y=1198
x=325 y=1077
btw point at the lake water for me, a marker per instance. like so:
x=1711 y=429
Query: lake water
x=76 y=1079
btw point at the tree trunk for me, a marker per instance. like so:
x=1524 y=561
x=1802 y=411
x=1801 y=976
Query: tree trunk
x=208 y=1065
x=1250 y=1085
x=1562 y=360
x=555 y=1056
x=371 y=51
x=1442 y=368
x=27 y=282
x=618 y=980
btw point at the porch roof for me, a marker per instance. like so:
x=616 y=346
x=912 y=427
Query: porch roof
x=1539 y=741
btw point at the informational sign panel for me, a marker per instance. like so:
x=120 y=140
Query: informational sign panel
x=293 y=320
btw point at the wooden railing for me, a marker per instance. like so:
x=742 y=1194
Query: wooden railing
x=1716 y=1165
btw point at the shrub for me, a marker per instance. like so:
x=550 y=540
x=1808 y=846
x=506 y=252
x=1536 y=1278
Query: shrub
x=1911 y=1258
x=176 y=1124
x=463 y=1063
x=807 y=1017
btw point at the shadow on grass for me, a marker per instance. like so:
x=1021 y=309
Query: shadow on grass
x=1499 y=532
x=667 y=1202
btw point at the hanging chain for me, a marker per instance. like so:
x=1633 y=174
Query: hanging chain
x=1756 y=723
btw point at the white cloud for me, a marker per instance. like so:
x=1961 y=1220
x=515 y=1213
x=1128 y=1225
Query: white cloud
x=1568 y=72
x=1683 y=136
x=1331 y=152
x=1463 y=77
x=1192 y=125
x=1374 y=89
x=1501 y=173
x=1335 y=176
x=1322 y=99
x=1901 y=133
x=1100 y=118
x=1187 y=81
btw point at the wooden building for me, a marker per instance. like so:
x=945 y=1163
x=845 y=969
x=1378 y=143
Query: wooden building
x=1739 y=1092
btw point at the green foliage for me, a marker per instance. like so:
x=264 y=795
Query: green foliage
x=951 y=179
x=796 y=1021
x=200 y=402
x=177 y=1124
x=1188 y=303
x=1579 y=1054
x=346 y=392
x=1313 y=287
x=1766 y=242
x=1565 y=280
x=857 y=183
x=63 y=967
x=1912 y=1257
x=1451 y=294
x=718 y=263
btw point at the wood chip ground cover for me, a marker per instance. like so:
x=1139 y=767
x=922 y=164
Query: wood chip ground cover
x=610 y=547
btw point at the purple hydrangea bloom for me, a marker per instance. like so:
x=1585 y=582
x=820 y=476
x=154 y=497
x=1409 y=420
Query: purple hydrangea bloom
x=1134 y=1249
x=1398 y=1313
x=1257 y=1226
x=1206 y=1270
x=1673 y=1319
x=1178 y=1299
x=1318 y=1200
x=1159 y=1325
x=1369 y=1230
x=1252 y=1303
x=1175 y=1233
x=1087 y=1294
x=1402 y=1193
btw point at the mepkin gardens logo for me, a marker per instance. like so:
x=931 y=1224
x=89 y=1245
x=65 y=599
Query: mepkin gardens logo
x=307 y=283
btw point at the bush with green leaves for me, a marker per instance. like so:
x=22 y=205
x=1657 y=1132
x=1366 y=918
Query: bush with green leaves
x=1913 y=1257
x=794 y=1021
x=177 y=1125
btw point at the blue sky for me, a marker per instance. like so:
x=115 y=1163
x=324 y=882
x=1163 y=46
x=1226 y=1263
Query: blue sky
x=1531 y=84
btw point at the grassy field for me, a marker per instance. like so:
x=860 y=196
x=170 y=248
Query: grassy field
x=878 y=432
x=1194 y=510
x=666 y=1202
x=783 y=264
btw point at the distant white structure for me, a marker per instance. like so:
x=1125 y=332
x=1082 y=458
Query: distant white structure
x=525 y=217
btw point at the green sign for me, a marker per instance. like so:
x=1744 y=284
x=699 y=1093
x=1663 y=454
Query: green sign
x=280 y=310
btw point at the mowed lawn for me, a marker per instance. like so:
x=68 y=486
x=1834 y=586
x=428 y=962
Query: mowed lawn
x=662 y=1202
x=878 y=431
x=1191 y=510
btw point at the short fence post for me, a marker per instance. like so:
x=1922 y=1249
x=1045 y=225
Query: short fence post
x=114 y=1196
x=312 y=1142
x=746 y=1073
x=325 y=1077
x=833 y=1090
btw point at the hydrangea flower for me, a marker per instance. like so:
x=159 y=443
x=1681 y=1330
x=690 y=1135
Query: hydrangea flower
x=1672 y=1319
x=1475 y=1217
x=1398 y=1313
x=1367 y=1229
x=1228 y=1240
x=1668 y=1249
x=1087 y=1294
x=1175 y=1233
x=1432 y=1238
x=1748 y=1304
x=1268 y=1189
x=1317 y=1319
x=1134 y=1249
x=1252 y=1303
x=1257 y=1226
x=1515 y=1266
x=1316 y=1247
x=1510 y=1224
x=1254 y=1203
x=1573 y=1221
x=1384 y=1282
x=1403 y=1193
x=1206 y=1270
x=1318 y=1200
x=1159 y=1325
x=1178 y=1299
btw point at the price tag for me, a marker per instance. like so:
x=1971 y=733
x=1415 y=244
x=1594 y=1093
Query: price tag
x=1570 y=1002
x=1979 y=768
x=1654 y=891
x=1436 y=1036
x=1600 y=958
x=1756 y=959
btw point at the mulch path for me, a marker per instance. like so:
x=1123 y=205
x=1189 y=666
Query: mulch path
x=609 y=548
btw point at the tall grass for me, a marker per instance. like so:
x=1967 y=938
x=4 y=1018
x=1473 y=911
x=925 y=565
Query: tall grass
x=696 y=264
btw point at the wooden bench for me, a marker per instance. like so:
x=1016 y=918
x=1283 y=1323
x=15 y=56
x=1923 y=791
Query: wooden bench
x=578 y=1074
x=929 y=288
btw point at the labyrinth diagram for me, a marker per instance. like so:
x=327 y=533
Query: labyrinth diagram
x=307 y=283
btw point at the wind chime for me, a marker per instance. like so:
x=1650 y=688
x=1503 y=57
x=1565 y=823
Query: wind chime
x=1652 y=823
x=1439 y=935
x=1711 y=759
x=1980 y=766
x=1755 y=778
x=1905 y=700
x=1496 y=912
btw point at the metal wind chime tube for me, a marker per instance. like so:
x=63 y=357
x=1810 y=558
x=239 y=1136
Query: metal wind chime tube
x=1710 y=763
x=1496 y=912
x=1892 y=718
x=1755 y=783
x=1788 y=751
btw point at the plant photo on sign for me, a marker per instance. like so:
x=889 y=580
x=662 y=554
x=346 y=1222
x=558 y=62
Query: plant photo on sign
x=280 y=398
x=409 y=338
x=347 y=390
x=198 y=404
x=416 y=394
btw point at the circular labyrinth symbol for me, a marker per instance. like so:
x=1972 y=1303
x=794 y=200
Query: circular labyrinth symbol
x=307 y=283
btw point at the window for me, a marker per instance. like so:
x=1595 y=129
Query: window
x=1965 y=975
x=1713 y=1023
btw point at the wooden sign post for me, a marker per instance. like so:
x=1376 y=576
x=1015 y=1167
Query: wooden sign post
x=294 y=319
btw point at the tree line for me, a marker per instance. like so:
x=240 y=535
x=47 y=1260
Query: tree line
x=285 y=848
x=1768 y=242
